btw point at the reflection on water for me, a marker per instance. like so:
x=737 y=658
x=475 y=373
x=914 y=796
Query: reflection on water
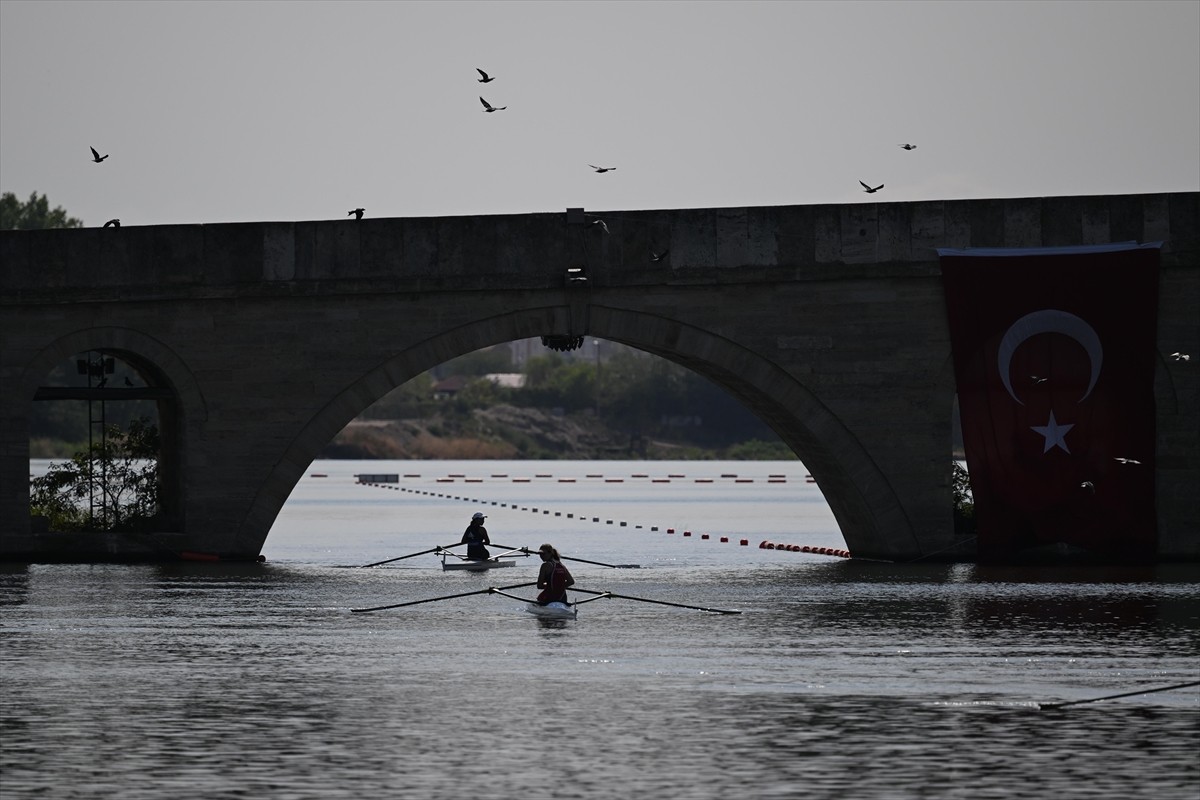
x=839 y=680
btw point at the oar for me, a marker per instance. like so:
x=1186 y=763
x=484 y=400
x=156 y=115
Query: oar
x=647 y=600
x=410 y=555
x=489 y=590
x=529 y=552
x=1044 y=706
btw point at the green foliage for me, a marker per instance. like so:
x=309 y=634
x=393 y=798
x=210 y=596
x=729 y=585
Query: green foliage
x=756 y=450
x=552 y=381
x=33 y=215
x=410 y=400
x=964 y=501
x=112 y=487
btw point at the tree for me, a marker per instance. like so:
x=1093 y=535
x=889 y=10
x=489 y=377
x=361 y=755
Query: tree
x=33 y=215
x=112 y=487
x=964 y=501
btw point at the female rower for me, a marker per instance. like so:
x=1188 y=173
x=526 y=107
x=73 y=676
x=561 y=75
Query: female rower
x=553 y=577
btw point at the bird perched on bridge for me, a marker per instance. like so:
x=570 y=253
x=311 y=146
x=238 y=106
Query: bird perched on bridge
x=97 y=157
x=113 y=223
x=909 y=146
x=357 y=212
x=484 y=77
x=601 y=169
x=656 y=257
x=489 y=108
x=869 y=190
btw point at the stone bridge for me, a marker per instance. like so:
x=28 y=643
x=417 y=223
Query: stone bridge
x=260 y=341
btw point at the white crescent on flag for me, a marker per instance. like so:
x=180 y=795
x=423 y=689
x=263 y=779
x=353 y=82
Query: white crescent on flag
x=1049 y=320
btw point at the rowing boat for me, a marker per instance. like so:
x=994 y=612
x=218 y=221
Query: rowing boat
x=552 y=610
x=473 y=565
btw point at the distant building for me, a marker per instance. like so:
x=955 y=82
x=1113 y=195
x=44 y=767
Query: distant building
x=507 y=380
x=448 y=387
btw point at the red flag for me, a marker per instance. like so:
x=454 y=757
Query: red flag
x=1054 y=354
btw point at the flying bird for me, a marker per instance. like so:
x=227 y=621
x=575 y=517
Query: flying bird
x=869 y=190
x=1037 y=379
x=656 y=257
x=1091 y=487
x=600 y=222
x=113 y=223
x=357 y=212
x=1181 y=357
x=97 y=157
x=1126 y=461
x=909 y=146
x=127 y=381
x=484 y=76
x=489 y=108
x=601 y=169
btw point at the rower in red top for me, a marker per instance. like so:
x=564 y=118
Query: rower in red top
x=553 y=577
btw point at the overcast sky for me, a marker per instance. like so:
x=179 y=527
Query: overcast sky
x=223 y=111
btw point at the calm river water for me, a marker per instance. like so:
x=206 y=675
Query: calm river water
x=840 y=679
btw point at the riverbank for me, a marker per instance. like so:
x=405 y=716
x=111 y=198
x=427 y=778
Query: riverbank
x=509 y=432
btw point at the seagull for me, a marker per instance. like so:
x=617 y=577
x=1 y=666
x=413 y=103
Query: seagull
x=97 y=157
x=1037 y=379
x=869 y=190
x=1091 y=487
x=1181 y=357
x=113 y=223
x=357 y=212
x=127 y=381
x=489 y=108
x=484 y=78
x=1126 y=461
x=658 y=256
x=601 y=169
x=600 y=222
x=909 y=146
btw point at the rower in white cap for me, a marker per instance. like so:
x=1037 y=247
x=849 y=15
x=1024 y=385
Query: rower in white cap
x=476 y=536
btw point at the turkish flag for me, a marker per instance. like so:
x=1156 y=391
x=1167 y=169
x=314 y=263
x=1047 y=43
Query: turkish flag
x=1054 y=354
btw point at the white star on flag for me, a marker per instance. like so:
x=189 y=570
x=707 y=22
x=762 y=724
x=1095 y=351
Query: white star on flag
x=1054 y=434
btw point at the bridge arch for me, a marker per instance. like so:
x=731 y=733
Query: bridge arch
x=181 y=414
x=862 y=500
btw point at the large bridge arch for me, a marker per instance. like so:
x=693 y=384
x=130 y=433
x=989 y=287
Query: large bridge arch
x=865 y=504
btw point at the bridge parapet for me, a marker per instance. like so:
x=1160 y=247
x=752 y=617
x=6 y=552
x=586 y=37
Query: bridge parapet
x=533 y=251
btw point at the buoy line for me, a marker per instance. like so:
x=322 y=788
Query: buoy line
x=764 y=545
